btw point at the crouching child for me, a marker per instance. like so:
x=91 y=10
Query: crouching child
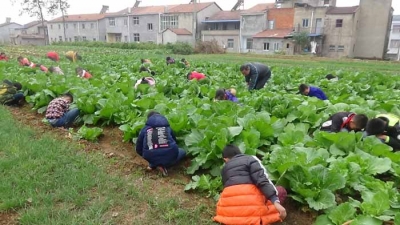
x=157 y=144
x=58 y=113
x=249 y=197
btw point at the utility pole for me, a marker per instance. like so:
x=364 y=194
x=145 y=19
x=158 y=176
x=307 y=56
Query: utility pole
x=398 y=52
x=194 y=20
x=63 y=17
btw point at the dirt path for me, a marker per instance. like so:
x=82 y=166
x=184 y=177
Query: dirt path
x=125 y=161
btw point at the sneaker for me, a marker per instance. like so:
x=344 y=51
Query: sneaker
x=163 y=171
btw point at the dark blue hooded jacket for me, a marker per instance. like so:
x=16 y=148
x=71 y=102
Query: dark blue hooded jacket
x=157 y=143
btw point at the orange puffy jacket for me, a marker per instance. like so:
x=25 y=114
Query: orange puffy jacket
x=245 y=204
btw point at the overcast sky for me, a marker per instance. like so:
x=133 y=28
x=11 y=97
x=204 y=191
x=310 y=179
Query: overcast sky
x=7 y=9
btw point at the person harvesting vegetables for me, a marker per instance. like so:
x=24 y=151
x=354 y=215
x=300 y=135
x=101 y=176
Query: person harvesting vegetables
x=9 y=93
x=249 y=196
x=196 y=76
x=145 y=80
x=256 y=75
x=73 y=56
x=184 y=63
x=83 y=73
x=380 y=128
x=3 y=57
x=223 y=94
x=53 y=56
x=25 y=62
x=157 y=144
x=345 y=121
x=58 y=113
x=170 y=60
x=331 y=77
x=56 y=70
x=312 y=92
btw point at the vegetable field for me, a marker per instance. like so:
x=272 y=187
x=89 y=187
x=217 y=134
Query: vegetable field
x=340 y=175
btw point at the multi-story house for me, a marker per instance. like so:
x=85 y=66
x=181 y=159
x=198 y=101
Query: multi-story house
x=33 y=33
x=394 y=44
x=7 y=30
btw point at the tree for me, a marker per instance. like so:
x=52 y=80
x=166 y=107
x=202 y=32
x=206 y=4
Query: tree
x=55 y=6
x=301 y=39
x=34 y=8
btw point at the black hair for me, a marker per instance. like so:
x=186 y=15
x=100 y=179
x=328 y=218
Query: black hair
x=20 y=58
x=79 y=57
x=230 y=151
x=303 y=88
x=376 y=127
x=183 y=60
x=188 y=75
x=152 y=113
x=38 y=65
x=360 y=120
x=330 y=77
x=244 y=67
x=220 y=94
x=142 y=60
x=17 y=85
x=144 y=81
x=168 y=58
x=386 y=120
x=78 y=68
x=143 y=69
x=68 y=94
x=2 y=53
x=153 y=73
x=51 y=69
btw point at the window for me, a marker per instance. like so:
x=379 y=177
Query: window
x=125 y=22
x=249 y=44
x=214 y=26
x=83 y=26
x=169 y=21
x=92 y=26
x=340 y=48
x=396 y=29
x=70 y=39
x=51 y=26
x=287 y=45
x=84 y=38
x=76 y=38
x=136 y=37
x=231 y=43
x=332 y=48
x=339 y=23
x=271 y=24
x=66 y=26
x=305 y=22
x=66 y=39
x=111 y=22
x=224 y=26
x=237 y=26
x=94 y=39
x=394 y=43
x=326 y=2
x=60 y=38
x=135 y=20
x=277 y=47
x=59 y=26
x=126 y=38
x=150 y=26
x=266 y=46
x=75 y=26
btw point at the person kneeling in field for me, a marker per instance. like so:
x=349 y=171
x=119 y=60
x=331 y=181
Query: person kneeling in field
x=377 y=127
x=170 y=60
x=312 y=92
x=184 y=63
x=3 y=57
x=196 y=76
x=345 y=121
x=226 y=94
x=58 y=113
x=9 y=93
x=25 y=62
x=83 y=73
x=256 y=75
x=56 y=70
x=249 y=197
x=157 y=144
x=73 y=56
x=331 y=77
x=53 y=56
x=145 y=80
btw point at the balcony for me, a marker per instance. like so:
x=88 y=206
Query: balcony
x=311 y=30
x=220 y=32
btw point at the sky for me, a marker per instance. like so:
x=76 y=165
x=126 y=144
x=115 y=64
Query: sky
x=94 y=6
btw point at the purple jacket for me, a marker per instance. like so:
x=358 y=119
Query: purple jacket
x=231 y=97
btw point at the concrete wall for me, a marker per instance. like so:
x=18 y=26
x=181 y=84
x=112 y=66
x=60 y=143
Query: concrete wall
x=283 y=46
x=250 y=26
x=6 y=31
x=29 y=41
x=90 y=33
x=394 y=35
x=290 y=3
x=169 y=37
x=339 y=36
x=184 y=38
x=375 y=18
x=202 y=15
x=222 y=38
x=145 y=34
x=119 y=28
x=312 y=14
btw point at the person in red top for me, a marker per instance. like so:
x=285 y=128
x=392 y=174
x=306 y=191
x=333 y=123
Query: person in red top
x=25 y=62
x=83 y=73
x=3 y=57
x=53 y=56
x=196 y=75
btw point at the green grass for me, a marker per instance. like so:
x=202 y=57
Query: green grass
x=48 y=181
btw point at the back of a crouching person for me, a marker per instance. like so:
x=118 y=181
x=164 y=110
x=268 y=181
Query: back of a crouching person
x=249 y=197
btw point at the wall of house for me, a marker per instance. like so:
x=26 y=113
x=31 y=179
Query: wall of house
x=29 y=41
x=72 y=31
x=375 y=18
x=394 y=36
x=145 y=34
x=202 y=15
x=6 y=31
x=169 y=37
x=251 y=25
x=312 y=14
x=222 y=40
x=184 y=38
x=339 y=36
x=290 y=3
x=119 y=28
x=285 y=46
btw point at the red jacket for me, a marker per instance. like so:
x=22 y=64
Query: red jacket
x=197 y=76
x=3 y=58
x=53 y=56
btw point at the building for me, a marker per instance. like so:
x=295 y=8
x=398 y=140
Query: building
x=394 y=44
x=313 y=3
x=7 y=30
x=33 y=33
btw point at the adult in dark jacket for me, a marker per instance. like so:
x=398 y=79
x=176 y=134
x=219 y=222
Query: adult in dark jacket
x=378 y=127
x=256 y=75
x=345 y=121
x=157 y=144
x=312 y=91
x=249 y=197
x=10 y=93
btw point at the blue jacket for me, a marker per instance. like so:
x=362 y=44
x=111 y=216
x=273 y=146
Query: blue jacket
x=316 y=92
x=231 y=97
x=157 y=143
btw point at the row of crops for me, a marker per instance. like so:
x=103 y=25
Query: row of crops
x=340 y=175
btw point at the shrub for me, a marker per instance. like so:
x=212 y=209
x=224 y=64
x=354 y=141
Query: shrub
x=209 y=47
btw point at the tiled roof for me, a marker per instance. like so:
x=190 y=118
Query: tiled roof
x=278 y=33
x=150 y=10
x=226 y=15
x=180 y=31
x=259 y=8
x=80 y=17
x=5 y=24
x=33 y=23
x=396 y=18
x=283 y=17
x=342 y=10
x=188 y=8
